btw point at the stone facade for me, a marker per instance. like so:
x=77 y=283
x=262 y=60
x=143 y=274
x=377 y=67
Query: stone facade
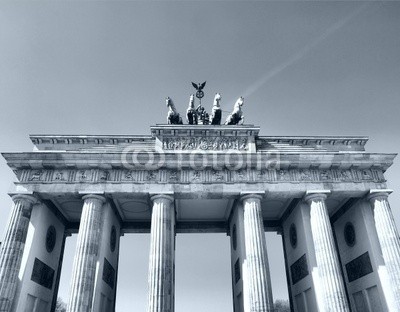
x=326 y=195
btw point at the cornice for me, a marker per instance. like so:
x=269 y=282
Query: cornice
x=207 y=134
x=108 y=160
x=89 y=142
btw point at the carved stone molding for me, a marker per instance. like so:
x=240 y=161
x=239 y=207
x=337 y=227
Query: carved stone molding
x=33 y=176
x=205 y=143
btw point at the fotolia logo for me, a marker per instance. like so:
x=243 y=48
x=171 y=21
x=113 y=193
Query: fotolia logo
x=133 y=158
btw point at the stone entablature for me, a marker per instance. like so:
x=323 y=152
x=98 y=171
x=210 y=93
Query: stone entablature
x=311 y=143
x=210 y=159
x=43 y=140
x=171 y=176
x=91 y=143
x=196 y=155
x=210 y=138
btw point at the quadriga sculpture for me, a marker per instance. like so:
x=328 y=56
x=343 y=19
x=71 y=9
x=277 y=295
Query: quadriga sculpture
x=191 y=113
x=216 y=110
x=236 y=117
x=173 y=117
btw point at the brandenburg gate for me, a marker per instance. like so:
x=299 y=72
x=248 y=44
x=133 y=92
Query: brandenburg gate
x=326 y=196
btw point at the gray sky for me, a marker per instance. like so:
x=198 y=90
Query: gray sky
x=305 y=68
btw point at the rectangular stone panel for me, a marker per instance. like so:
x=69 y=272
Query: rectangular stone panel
x=359 y=267
x=108 y=273
x=237 y=270
x=30 y=303
x=360 y=302
x=239 y=303
x=41 y=305
x=310 y=299
x=105 y=304
x=42 y=274
x=299 y=269
x=374 y=299
x=299 y=299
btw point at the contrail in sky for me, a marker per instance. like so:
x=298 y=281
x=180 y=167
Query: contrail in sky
x=302 y=52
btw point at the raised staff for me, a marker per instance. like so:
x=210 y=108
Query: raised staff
x=199 y=87
x=202 y=116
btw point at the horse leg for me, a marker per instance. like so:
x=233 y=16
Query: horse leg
x=228 y=120
x=190 y=118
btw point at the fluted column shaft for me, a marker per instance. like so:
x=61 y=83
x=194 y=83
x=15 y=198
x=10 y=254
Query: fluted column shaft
x=162 y=255
x=258 y=278
x=331 y=280
x=12 y=248
x=388 y=237
x=86 y=255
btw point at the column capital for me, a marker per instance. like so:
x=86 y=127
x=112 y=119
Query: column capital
x=316 y=195
x=98 y=197
x=249 y=195
x=378 y=193
x=25 y=197
x=166 y=196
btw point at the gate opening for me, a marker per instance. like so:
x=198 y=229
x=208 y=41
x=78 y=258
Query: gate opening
x=203 y=273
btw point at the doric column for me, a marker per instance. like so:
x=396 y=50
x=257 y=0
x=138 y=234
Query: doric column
x=258 y=279
x=331 y=281
x=12 y=248
x=388 y=237
x=162 y=255
x=86 y=254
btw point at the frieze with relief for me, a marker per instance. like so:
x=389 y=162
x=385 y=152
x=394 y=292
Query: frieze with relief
x=33 y=176
x=208 y=143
